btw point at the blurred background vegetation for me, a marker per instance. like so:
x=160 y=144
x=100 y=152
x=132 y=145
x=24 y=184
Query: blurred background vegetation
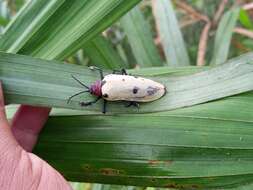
x=142 y=31
x=161 y=33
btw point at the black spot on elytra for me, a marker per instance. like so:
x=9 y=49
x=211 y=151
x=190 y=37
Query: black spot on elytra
x=136 y=77
x=103 y=82
x=135 y=90
x=105 y=95
x=151 y=90
x=123 y=80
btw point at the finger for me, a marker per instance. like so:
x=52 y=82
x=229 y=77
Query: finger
x=7 y=140
x=27 y=124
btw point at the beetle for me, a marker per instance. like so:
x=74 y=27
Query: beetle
x=119 y=86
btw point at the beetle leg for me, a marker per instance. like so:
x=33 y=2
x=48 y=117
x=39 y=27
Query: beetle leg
x=133 y=103
x=100 y=71
x=104 y=107
x=122 y=71
x=89 y=103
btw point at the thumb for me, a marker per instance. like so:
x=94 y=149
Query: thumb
x=27 y=124
x=7 y=140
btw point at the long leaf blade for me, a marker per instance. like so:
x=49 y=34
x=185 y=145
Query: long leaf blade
x=171 y=36
x=179 y=151
x=223 y=36
x=140 y=38
x=102 y=54
x=86 y=19
x=62 y=28
x=37 y=82
x=27 y=22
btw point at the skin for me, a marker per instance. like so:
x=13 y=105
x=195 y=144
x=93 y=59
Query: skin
x=20 y=169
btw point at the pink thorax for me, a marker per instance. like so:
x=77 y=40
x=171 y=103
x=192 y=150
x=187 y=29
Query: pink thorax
x=95 y=88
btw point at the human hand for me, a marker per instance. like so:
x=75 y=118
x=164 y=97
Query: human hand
x=20 y=169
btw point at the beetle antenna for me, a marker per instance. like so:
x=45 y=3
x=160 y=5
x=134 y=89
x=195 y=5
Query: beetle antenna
x=80 y=82
x=76 y=95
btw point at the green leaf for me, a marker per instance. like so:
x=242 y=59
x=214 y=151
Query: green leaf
x=223 y=36
x=170 y=34
x=62 y=28
x=3 y=21
x=239 y=109
x=247 y=186
x=245 y=19
x=26 y=23
x=102 y=54
x=86 y=20
x=33 y=81
x=77 y=186
x=170 y=151
x=140 y=38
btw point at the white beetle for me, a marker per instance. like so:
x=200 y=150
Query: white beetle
x=115 y=87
